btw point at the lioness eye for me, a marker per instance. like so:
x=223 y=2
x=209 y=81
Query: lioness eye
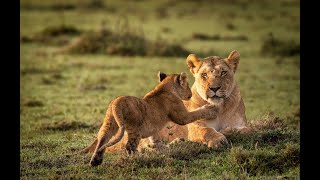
x=223 y=73
x=204 y=75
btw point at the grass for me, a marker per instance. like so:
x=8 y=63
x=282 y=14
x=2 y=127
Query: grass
x=64 y=96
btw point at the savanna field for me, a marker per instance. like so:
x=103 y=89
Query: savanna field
x=78 y=55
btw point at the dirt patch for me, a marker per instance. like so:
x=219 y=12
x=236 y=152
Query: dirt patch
x=166 y=30
x=31 y=70
x=33 y=103
x=37 y=70
x=47 y=81
x=230 y=26
x=52 y=79
x=65 y=125
x=92 y=87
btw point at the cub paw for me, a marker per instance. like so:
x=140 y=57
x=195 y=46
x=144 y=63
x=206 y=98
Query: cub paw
x=211 y=111
x=95 y=161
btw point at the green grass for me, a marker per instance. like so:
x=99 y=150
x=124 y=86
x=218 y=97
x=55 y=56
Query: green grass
x=63 y=97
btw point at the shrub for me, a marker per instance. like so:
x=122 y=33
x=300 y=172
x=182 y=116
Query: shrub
x=125 y=44
x=53 y=35
x=275 y=47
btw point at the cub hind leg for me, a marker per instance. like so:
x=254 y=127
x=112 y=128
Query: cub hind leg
x=90 y=148
x=105 y=133
x=132 y=144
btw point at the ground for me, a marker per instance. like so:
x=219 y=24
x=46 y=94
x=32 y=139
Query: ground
x=63 y=96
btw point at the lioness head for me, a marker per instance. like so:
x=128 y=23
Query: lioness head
x=180 y=84
x=214 y=76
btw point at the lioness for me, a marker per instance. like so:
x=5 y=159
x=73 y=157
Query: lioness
x=142 y=118
x=214 y=84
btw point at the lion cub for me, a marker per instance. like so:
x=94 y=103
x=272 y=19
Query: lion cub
x=142 y=118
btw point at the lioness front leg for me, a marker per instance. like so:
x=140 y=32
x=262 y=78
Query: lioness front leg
x=206 y=135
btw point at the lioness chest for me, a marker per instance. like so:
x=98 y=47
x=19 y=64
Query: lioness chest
x=222 y=122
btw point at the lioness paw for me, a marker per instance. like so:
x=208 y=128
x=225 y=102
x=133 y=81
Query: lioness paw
x=217 y=141
x=237 y=130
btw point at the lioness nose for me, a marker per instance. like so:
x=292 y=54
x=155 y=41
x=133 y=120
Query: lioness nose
x=215 y=89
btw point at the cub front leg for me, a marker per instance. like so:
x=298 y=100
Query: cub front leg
x=206 y=135
x=208 y=111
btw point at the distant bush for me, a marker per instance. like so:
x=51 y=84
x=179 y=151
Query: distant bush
x=201 y=36
x=275 y=47
x=54 y=35
x=123 y=43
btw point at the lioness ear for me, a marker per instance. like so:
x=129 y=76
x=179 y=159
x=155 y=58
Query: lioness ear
x=193 y=63
x=161 y=76
x=233 y=60
x=183 y=79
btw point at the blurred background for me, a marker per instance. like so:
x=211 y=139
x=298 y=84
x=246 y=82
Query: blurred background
x=77 y=55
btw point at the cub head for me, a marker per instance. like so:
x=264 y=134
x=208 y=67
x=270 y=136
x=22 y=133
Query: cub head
x=214 y=76
x=178 y=83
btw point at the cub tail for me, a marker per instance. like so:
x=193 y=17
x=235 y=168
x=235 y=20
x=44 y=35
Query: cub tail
x=118 y=116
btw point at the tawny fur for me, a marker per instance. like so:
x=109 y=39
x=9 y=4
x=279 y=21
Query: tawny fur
x=142 y=118
x=212 y=73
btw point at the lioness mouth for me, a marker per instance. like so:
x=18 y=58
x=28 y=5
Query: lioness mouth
x=215 y=97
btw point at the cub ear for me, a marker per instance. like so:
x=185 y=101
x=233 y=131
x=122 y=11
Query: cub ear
x=183 y=79
x=161 y=76
x=233 y=60
x=193 y=63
